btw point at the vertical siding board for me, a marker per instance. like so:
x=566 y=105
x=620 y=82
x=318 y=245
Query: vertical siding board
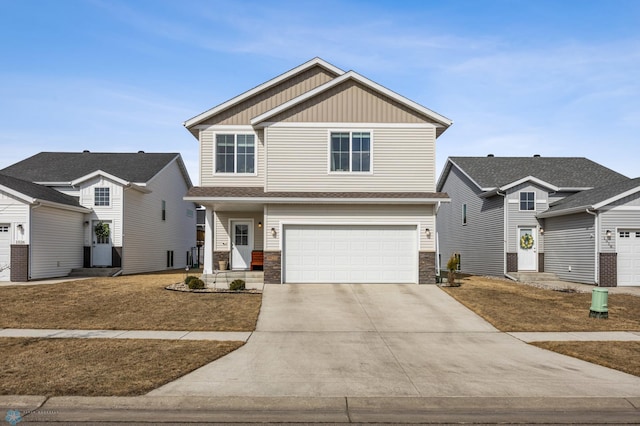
x=481 y=241
x=403 y=160
x=570 y=242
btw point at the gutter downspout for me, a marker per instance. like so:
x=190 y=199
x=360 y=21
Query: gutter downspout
x=505 y=211
x=596 y=232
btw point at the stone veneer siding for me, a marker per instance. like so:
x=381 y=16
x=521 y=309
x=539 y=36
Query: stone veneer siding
x=608 y=270
x=540 y=262
x=426 y=267
x=272 y=267
x=19 y=263
x=512 y=262
x=218 y=256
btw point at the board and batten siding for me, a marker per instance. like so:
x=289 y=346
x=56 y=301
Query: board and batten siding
x=56 y=244
x=222 y=232
x=15 y=212
x=242 y=113
x=570 y=243
x=278 y=214
x=207 y=159
x=518 y=219
x=403 y=160
x=147 y=237
x=112 y=212
x=481 y=241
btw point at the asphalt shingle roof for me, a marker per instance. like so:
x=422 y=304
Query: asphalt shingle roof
x=68 y=166
x=258 y=192
x=39 y=192
x=563 y=172
x=594 y=196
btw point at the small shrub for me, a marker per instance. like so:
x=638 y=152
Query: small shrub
x=237 y=285
x=452 y=266
x=189 y=279
x=196 y=284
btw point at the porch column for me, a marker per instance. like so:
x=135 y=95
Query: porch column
x=208 y=242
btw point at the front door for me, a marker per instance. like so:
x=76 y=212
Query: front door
x=241 y=244
x=527 y=250
x=101 y=250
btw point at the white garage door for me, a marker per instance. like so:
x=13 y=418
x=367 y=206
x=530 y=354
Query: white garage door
x=350 y=254
x=5 y=253
x=629 y=257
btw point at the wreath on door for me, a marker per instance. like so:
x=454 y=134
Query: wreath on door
x=102 y=230
x=526 y=241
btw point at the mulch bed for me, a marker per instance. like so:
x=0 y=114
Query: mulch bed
x=183 y=287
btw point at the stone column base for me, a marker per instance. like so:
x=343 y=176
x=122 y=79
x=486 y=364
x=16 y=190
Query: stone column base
x=273 y=267
x=19 y=263
x=426 y=267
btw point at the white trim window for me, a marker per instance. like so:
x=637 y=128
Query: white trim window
x=350 y=152
x=527 y=201
x=235 y=153
x=101 y=196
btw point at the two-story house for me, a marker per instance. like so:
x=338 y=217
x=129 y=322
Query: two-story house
x=328 y=173
x=569 y=216
x=61 y=211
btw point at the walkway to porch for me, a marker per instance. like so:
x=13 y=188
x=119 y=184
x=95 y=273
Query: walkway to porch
x=222 y=279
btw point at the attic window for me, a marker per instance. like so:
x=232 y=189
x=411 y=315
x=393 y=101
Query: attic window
x=527 y=201
x=101 y=197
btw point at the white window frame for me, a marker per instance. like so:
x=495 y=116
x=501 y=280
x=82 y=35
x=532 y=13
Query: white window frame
x=528 y=201
x=350 y=132
x=108 y=190
x=235 y=134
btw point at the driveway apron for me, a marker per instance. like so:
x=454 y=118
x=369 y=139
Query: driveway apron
x=389 y=340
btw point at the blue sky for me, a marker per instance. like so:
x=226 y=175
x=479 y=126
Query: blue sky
x=556 y=78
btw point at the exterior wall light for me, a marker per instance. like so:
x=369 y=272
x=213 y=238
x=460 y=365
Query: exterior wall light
x=259 y=224
x=273 y=232
x=608 y=234
x=428 y=232
x=541 y=231
x=20 y=227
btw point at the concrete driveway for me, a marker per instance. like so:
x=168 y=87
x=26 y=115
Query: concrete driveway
x=389 y=340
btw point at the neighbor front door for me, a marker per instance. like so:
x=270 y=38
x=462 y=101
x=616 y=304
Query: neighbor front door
x=527 y=250
x=241 y=244
x=101 y=247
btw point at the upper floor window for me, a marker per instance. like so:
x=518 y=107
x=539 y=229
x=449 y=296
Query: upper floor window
x=464 y=214
x=164 y=210
x=235 y=153
x=527 y=201
x=101 y=197
x=350 y=152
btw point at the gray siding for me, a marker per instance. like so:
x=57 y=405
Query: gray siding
x=517 y=218
x=570 y=242
x=626 y=215
x=481 y=241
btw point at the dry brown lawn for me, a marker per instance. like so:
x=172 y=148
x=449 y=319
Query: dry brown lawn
x=99 y=367
x=132 y=302
x=517 y=307
x=623 y=356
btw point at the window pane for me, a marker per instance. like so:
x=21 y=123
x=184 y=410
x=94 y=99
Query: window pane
x=224 y=153
x=101 y=197
x=361 y=154
x=246 y=154
x=527 y=201
x=340 y=152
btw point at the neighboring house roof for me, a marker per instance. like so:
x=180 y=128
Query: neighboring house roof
x=559 y=173
x=66 y=167
x=33 y=193
x=256 y=194
x=593 y=199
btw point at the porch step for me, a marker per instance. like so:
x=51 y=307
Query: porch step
x=94 y=272
x=252 y=279
x=534 y=277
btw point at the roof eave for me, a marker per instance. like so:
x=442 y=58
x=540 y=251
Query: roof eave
x=564 y=212
x=311 y=200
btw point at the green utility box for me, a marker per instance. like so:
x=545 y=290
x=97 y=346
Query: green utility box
x=599 y=299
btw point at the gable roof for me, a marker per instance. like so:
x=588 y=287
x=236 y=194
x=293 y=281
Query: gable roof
x=352 y=75
x=66 y=167
x=32 y=192
x=559 y=173
x=261 y=88
x=593 y=199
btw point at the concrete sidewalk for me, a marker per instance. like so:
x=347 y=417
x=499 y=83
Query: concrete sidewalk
x=216 y=410
x=125 y=334
x=578 y=336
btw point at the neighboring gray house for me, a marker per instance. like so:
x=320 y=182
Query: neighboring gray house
x=52 y=203
x=517 y=214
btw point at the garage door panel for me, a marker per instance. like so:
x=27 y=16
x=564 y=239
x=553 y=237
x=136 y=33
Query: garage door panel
x=628 y=248
x=350 y=254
